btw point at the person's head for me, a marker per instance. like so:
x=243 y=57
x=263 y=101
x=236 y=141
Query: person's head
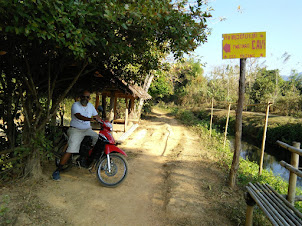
x=85 y=97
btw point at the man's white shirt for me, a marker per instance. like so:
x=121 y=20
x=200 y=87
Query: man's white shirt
x=87 y=111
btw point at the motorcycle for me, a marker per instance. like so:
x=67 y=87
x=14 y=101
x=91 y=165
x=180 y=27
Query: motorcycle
x=108 y=159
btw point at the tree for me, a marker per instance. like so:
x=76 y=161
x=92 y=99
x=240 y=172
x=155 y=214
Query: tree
x=51 y=44
x=266 y=87
x=189 y=85
x=161 y=88
x=290 y=98
x=223 y=84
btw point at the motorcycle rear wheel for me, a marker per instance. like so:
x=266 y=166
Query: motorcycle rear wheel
x=119 y=170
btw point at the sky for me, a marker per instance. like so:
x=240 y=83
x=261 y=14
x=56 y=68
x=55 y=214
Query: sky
x=280 y=19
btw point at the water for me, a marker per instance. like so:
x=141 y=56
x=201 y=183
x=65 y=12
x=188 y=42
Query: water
x=270 y=162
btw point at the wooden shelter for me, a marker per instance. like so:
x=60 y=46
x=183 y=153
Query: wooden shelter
x=115 y=89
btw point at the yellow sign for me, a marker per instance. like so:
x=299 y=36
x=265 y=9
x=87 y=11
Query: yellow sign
x=244 y=45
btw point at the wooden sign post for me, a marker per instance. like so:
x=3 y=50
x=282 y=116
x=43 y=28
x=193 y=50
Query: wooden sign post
x=226 y=125
x=211 y=122
x=264 y=138
x=238 y=125
x=243 y=46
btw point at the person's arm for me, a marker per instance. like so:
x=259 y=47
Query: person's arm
x=97 y=118
x=81 y=117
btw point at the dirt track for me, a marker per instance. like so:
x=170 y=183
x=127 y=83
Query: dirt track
x=172 y=180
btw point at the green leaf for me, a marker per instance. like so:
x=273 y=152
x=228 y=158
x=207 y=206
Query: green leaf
x=124 y=26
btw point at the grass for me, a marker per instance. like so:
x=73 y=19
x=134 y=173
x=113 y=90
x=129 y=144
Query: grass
x=248 y=171
x=4 y=201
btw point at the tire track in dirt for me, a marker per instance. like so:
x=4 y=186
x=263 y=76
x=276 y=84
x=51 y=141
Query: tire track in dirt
x=185 y=184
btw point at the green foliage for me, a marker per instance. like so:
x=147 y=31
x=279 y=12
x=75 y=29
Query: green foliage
x=4 y=201
x=122 y=31
x=287 y=133
x=192 y=89
x=161 y=87
x=184 y=83
x=5 y=166
x=266 y=87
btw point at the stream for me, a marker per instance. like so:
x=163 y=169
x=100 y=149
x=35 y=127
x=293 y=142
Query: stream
x=270 y=162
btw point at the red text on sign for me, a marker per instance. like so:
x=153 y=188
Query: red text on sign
x=258 y=44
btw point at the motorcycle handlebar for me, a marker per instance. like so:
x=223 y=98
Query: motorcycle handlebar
x=101 y=122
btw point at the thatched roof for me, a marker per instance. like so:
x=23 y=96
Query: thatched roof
x=123 y=89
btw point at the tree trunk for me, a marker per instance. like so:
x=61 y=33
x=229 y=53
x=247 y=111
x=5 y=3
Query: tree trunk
x=33 y=167
x=34 y=116
x=236 y=156
x=146 y=87
x=10 y=119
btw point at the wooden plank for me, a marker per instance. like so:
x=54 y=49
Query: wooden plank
x=285 y=201
x=281 y=208
x=257 y=199
x=128 y=133
x=290 y=148
x=297 y=215
x=278 y=207
x=269 y=206
x=291 y=168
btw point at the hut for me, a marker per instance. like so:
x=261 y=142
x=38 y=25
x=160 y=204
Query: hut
x=114 y=89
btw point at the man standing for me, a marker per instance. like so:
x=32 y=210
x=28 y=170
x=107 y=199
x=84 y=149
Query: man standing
x=82 y=113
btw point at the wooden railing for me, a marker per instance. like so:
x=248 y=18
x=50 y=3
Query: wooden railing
x=292 y=167
x=278 y=210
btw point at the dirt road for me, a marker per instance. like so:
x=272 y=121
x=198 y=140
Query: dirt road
x=172 y=180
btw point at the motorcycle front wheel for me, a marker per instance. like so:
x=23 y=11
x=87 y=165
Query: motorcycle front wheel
x=118 y=173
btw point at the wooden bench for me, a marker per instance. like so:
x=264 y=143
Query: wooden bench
x=278 y=210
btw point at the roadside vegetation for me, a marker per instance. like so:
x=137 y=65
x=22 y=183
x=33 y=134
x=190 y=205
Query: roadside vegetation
x=248 y=171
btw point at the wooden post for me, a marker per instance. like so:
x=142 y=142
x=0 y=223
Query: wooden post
x=111 y=110
x=211 y=117
x=238 y=126
x=104 y=105
x=115 y=106
x=226 y=125
x=131 y=108
x=126 y=119
x=292 y=176
x=249 y=215
x=126 y=102
x=264 y=139
x=249 y=210
x=97 y=100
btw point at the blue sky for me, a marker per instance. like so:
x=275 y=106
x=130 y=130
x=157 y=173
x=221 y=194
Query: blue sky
x=281 y=20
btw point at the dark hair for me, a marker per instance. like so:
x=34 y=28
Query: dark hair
x=82 y=91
